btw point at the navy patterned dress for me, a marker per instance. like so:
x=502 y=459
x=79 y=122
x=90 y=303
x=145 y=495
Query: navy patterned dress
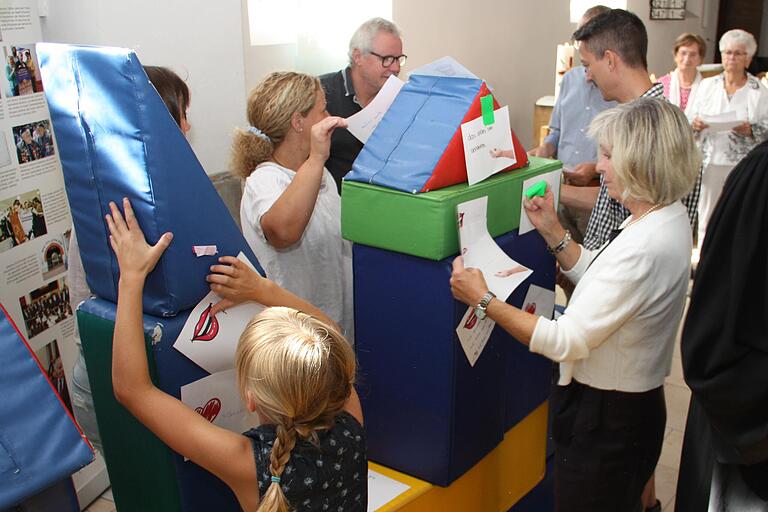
x=330 y=477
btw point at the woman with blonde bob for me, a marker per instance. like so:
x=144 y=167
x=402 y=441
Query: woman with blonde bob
x=615 y=340
x=291 y=211
x=294 y=371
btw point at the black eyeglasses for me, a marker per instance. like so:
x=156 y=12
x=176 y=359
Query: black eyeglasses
x=388 y=60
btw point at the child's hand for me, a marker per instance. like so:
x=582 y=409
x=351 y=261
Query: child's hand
x=235 y=282
x=134 y=255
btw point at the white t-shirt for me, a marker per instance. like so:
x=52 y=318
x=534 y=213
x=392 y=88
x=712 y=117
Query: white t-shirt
x=317 y=268
x=619 y=329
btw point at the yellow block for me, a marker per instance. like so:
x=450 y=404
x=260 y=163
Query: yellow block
x=494 y=484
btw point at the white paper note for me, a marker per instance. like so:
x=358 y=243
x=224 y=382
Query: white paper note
x=553 y=183
x=539 y=301
x=209 y=341
x=480 y=140
x=382 y=490
x=217 y=399
x=723 y=122
x=362 y=124
x=502 y=273
x=444 y=66
x=474 y=334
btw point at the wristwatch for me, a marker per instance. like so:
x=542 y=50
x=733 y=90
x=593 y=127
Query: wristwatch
x=483 y=306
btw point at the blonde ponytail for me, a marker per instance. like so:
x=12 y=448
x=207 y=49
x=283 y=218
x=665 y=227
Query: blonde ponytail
x=271 y=106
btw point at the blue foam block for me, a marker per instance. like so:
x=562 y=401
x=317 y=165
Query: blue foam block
x=199 y=490
x=117 y=139
x=40 y=443
x=410 y=140
x=428 y=412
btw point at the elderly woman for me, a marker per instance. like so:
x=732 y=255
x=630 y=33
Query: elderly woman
x=615 y=341
x=681 y=84
x=734 y=90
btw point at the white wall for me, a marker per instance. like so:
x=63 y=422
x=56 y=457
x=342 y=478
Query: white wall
x=512 y=45
x=762 y=44
x=202 y=41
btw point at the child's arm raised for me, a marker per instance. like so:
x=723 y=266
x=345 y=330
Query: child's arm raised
x=236 y=282
x=226 y=454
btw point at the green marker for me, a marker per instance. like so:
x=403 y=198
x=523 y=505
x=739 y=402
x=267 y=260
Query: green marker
x=537 y=189
x=486 y=106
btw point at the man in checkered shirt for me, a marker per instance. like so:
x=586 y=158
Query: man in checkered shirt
x=613 y=49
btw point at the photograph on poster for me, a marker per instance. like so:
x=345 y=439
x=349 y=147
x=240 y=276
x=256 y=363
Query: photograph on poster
x=50 y=359
x=21 y=219
x=33 y=141
x=53 y=257
x=21 y=70
x=45 y=306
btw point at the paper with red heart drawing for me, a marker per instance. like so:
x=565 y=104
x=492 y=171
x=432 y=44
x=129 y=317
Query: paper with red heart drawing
x=210 y=341
x=217 y=399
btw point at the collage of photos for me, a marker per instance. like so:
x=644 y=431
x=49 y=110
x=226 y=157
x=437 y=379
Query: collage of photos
x=33 y=141
x=22 y=218
x=21 y=70
x=45 y=306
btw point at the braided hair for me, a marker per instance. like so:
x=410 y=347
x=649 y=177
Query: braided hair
x=299 y=372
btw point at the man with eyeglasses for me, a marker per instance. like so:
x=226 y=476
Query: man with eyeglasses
x=375 y=53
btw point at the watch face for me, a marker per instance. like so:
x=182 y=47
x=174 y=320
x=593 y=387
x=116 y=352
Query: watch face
x=480 y=313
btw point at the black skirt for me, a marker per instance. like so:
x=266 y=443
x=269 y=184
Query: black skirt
x=607 y=444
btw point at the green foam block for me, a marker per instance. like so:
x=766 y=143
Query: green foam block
x=135 y=457
x=424 y=224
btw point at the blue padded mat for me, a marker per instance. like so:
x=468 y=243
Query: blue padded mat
x=40 y=443
x=428 y=412
x=117 y=139
x=199 y=490
x=410 y=139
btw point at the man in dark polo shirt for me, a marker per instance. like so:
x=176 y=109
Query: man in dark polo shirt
x=375 y=53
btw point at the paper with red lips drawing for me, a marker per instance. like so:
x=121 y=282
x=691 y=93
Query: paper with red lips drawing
x=474 y=334
x=210 y=341
x=539 y=301
x=217 y=399
x=553 y=184
x=502 y=274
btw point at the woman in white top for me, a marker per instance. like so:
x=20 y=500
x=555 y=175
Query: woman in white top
x=734 y=90
x=615 y=340
x=682 y=83
x=291 y=211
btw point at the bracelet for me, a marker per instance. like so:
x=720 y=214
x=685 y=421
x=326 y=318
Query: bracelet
x=562 y=245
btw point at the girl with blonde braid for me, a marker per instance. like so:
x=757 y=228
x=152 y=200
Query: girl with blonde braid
x=294 y=371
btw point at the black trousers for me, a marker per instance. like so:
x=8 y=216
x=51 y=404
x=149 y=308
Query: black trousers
x=607 y=444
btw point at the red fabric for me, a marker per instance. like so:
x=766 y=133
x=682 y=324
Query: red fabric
x=451 y=169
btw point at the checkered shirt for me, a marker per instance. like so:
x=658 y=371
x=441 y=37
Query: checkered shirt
x=608 y=214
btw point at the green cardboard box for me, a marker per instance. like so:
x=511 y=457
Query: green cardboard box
x=425 y=224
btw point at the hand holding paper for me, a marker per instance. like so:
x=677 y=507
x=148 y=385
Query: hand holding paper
x=235 y=282
x=467 y=284
x=320 y=141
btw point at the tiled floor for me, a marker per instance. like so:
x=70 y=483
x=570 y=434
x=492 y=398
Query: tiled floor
x=678 y=396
